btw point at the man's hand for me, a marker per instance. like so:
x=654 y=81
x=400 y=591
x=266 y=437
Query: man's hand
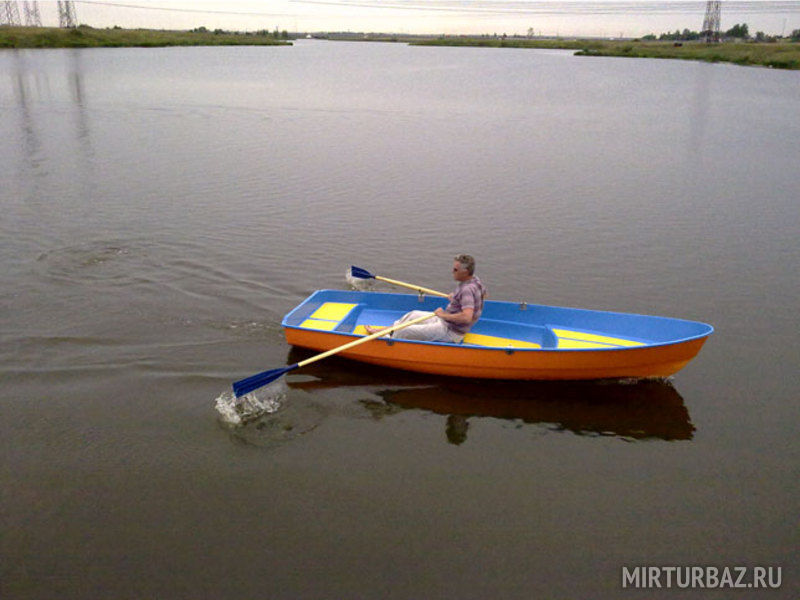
x=463 y=317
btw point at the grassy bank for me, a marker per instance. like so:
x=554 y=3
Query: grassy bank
x=783 y=55
x=88 y=37
x=780 y=55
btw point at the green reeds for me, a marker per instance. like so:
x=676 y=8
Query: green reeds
x=89 y=37
x=779 y=55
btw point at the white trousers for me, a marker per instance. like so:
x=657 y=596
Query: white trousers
x=432 y=330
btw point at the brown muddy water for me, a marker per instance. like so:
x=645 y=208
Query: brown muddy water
x=162 y=209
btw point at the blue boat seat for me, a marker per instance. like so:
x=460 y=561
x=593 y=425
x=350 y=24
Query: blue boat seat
x=347 y=317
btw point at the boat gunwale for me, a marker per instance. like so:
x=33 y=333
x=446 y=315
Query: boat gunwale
x=673 y=342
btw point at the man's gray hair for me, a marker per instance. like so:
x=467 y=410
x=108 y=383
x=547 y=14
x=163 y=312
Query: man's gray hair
x=467 y=262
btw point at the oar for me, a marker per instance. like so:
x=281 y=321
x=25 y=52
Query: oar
x=360 y=273
x=245 y=386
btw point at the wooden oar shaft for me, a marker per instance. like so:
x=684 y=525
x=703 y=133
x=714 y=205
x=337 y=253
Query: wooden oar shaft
x=411 y=286
x=363 y=340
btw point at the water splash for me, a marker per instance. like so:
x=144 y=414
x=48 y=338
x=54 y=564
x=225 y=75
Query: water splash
x=269 y=418
x=357 y=283
x=239 y=411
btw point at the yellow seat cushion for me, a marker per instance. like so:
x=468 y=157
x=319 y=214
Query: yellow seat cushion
x=333 y=311
x=579 y=339
x=319 y=324
x=478 y=339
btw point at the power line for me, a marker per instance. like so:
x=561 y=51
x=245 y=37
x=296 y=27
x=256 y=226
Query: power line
x=183 y=10
x=502 y=7
x=561 y=7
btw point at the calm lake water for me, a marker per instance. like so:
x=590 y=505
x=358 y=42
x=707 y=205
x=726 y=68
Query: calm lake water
x=162 y=209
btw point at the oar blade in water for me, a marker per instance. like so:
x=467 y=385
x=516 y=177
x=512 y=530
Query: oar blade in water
x=245 y=386
x=360 y=273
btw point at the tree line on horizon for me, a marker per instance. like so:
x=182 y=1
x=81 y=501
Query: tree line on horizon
x=263 y=32
x=737 y=32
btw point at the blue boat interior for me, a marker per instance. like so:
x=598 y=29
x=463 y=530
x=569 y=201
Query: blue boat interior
x=502 y=324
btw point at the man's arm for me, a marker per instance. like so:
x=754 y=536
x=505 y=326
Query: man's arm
x=463 y=318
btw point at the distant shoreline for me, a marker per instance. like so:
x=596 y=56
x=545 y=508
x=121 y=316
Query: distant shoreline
x=89 y=37
x=778 y=55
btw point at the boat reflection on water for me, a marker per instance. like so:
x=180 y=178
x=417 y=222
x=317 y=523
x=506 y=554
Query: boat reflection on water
x=650 y=409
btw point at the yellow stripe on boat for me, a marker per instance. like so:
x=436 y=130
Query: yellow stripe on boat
x=567 y=344
x=569 y=336
x=333 y=311
x=477 y=339
x=319 y=324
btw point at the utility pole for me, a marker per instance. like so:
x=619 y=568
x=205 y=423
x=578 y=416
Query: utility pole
x=9 y=14
x=711 y=22
x=32 y=16
x=66 y=13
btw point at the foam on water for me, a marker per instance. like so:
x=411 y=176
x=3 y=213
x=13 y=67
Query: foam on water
x=357 y=283
x=267 y=418
x=239 y=411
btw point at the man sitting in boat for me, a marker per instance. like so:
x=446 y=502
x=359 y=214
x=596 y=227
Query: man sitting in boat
x=452 y=323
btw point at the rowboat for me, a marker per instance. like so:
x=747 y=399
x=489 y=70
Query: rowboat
x=510 y=340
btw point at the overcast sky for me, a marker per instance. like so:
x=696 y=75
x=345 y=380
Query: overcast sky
x=609 y=18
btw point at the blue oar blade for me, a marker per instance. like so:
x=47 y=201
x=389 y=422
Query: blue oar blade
x=245 y=386
x=361 y=273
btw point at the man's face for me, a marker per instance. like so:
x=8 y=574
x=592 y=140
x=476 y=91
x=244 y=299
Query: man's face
x=459 y=272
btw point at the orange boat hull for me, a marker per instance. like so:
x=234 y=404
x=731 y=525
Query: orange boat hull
x=499 y=363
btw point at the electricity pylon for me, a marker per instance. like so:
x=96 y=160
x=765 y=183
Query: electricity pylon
x=66 y=13
x=711 y=22
x=9 y=14
x=32 y=16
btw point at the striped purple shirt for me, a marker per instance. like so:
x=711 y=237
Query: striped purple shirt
x=468 y=294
